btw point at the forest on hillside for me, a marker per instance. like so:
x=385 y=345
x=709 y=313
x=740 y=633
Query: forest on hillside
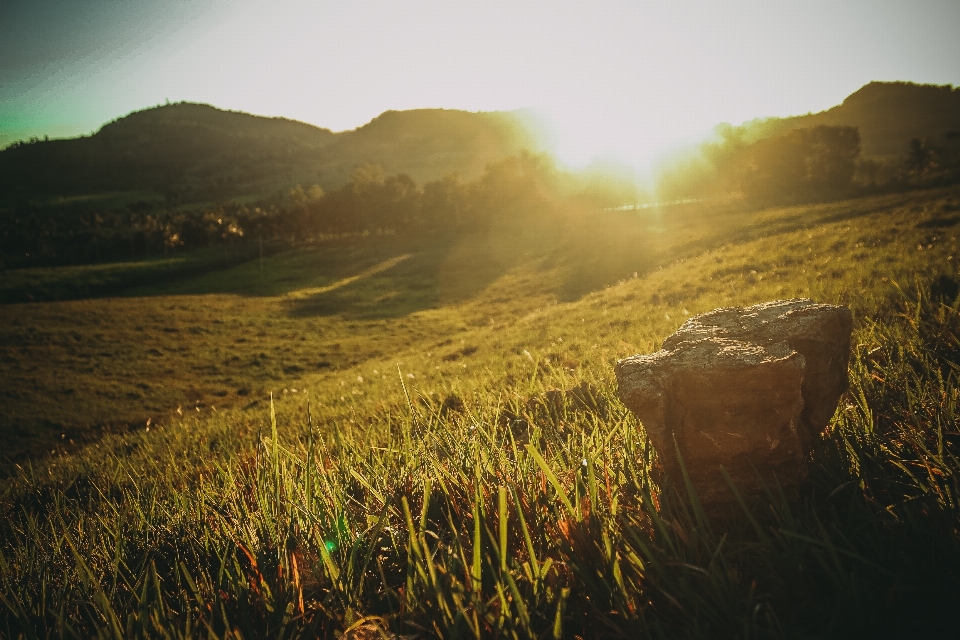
x=809 y=164
x=886 y=136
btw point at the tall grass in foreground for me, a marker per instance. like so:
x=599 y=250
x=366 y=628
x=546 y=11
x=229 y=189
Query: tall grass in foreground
x=530 y=511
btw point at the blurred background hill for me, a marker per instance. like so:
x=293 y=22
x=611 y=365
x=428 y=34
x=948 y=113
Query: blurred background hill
x=887 y=136
x=186 y=153
x=888 y=114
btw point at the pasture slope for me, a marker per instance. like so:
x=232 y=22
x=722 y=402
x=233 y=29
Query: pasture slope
x=444 y=453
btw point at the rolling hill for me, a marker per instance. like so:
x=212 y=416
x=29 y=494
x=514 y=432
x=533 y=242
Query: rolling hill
x=888 y=115
x=185 y=153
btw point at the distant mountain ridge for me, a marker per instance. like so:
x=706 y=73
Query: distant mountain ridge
x=888 y=115
x=429 y=143
x=204 y=116
x=188 y=152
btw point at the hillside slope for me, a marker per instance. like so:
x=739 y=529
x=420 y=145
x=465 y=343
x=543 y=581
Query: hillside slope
x=888 y=114
x=185 y=153
x=466 y=467
x=427 y=144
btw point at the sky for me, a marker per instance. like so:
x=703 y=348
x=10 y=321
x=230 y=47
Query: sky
x=613 y=81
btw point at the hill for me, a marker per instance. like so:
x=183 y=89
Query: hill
x=427 y=144
x=888 y=114
x=187 y=153
x=887 y=136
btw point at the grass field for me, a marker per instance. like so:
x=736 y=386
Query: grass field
x=448 y=456
x=40 y=284
x=77 y=368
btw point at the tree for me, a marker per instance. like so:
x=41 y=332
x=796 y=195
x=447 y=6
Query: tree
x=401 y=202
x=806 y=164
x=922 y=157
x=830 y=156
x=444 y=203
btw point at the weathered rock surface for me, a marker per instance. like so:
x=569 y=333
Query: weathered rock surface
x=745 y=388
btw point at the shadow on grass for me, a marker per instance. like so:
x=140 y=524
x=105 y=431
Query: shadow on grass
x=603 y=248
x=439 y=271
x=606 y=247
x=302 y=268
x=86 y=281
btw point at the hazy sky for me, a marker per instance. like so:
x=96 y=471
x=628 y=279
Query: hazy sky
x=615 y=79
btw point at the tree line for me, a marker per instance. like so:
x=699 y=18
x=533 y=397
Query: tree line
x=522 y=187
x=806 y=165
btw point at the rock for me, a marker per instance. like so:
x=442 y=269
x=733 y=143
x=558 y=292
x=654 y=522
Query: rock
x=744 y=388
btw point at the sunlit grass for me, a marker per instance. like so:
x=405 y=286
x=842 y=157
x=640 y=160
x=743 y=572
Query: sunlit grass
x=479 y=477
x=226 y=338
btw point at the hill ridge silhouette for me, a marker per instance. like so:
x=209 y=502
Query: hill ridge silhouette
x=185 y=153
x=193 y=152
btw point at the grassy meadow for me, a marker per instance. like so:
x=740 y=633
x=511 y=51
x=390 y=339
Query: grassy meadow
x=399 y=437
x=40 y=284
